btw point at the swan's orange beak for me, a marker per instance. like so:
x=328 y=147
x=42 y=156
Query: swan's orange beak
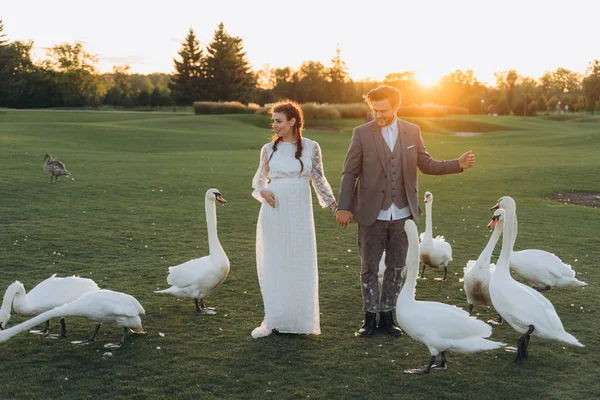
x=493 y=222
x=220 y=199
x=497 y=206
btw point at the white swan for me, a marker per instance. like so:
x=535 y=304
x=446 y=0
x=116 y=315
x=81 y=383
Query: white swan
x=440 y=327
x=197 y=278
x=524 y=308
x=435 y=253
x=478 y=273
x=543 y=269
x=48 y=294
x=117 y=309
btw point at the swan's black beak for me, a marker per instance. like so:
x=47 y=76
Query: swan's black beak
x=220 y=199
x=497 y=206
x=494 y=221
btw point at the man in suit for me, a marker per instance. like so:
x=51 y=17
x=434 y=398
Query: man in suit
x=379 y=191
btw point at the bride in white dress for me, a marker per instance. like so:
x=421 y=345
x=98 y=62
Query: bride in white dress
x=286 y=248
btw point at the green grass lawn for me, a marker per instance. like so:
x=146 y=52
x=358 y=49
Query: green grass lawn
x=134 y=205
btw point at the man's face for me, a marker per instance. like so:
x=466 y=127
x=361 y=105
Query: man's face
x=383 y=112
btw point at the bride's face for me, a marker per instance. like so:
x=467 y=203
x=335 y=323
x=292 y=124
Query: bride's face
x=282 y=126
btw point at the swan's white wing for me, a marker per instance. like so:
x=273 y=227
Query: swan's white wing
x=54 y=292
x=450 y=322
x=189 y=272
x=107 y=302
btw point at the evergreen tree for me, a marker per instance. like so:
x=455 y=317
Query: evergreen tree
x=340 y=83
x=188 y=80
x=228 y=72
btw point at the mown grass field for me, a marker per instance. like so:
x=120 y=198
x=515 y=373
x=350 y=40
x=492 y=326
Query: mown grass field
x=134 y=205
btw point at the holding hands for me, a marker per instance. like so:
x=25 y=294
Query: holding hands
x=343 y=218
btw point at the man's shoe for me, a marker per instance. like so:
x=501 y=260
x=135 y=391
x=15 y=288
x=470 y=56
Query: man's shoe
x=386 y=324
x=368 y=328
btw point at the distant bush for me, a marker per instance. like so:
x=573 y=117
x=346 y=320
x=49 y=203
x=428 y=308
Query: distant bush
x=430 y=110
x=311 y=111
x=229 y=107
x=320 y=111
x=354 y=110
x=314 y=111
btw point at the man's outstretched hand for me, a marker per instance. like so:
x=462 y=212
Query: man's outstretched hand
x=467 y=160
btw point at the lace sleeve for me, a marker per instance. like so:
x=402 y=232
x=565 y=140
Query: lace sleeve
x=319 y=182
x=261 y=179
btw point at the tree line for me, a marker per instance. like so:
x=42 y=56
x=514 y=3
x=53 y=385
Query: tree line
x=220 y=71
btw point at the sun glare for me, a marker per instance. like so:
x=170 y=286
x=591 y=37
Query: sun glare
x=427 y=78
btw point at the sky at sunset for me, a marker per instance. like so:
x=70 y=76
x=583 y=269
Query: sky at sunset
x=431 y=38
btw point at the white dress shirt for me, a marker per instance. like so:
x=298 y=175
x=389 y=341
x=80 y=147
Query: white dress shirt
x=390 y=135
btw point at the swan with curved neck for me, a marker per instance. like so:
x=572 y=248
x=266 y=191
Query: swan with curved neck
x=117 y=309
x=478 y=273
x=435 y=253
x=197 y=278
x=441 y=327
x=524 y=308
x=48 y=294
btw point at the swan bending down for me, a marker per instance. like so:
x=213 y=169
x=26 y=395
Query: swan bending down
x=524 y=308
x=48 y=294
x=435 y=253
x=543 y=269
x=478 y=273
x=117 y=309
x=440 y=327
x=197 y=278
x=54 y=167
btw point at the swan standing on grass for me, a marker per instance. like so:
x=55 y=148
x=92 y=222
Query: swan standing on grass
x=524 y=308
x=117 y=309
x=440 y=327
x=543 y=269
x=197 y=278
x=54 y=167
x=435 y=253
x=49 y=294
x=478 y=273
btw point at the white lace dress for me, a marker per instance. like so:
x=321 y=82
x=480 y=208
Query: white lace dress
x=286 y=248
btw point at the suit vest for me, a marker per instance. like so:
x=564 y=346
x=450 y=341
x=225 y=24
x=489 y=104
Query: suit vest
x=395 y=191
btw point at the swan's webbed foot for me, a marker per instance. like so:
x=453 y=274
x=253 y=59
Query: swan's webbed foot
x=522 y=344
x=445 y=275
x=441 y=366
x=89 y=340
x=202 y=308
x=116 y=346
x=470 y=309
x=423 y=272
x=421 y=371
x=44 y=332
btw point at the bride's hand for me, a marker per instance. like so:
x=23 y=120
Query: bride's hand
x=269 y=197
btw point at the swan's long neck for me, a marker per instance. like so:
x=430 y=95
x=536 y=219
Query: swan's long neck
x=62 y=311
x=14 y=296
x=211 y=225
x=428 y=221
x=486 y=254
x=412 y=270
x=508 y=242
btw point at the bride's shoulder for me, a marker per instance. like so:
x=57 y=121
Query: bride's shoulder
x=308 y=142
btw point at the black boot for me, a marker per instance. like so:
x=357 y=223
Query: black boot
x=368 y=328
x=386 y=324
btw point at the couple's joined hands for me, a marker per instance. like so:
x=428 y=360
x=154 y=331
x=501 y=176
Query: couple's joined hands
x=342 y=217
